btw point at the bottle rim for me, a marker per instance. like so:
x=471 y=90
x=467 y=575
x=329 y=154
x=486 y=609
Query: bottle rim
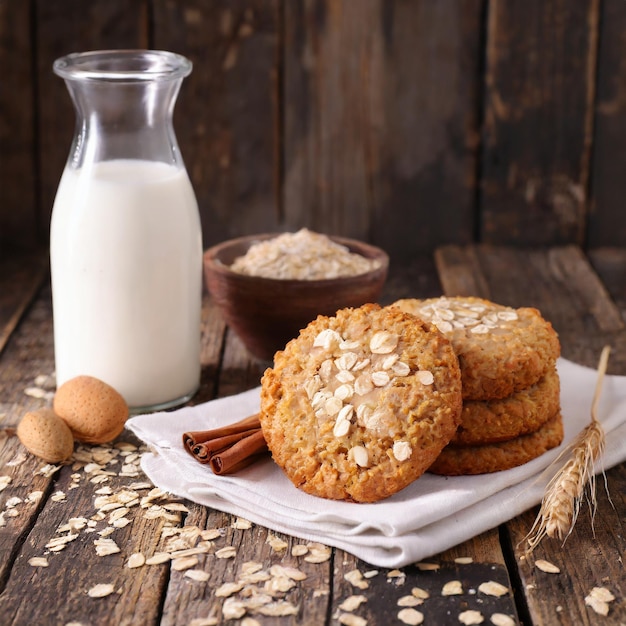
x=123 y=66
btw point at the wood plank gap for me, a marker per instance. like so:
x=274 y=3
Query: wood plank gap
x=481 y=101
x=512 y=566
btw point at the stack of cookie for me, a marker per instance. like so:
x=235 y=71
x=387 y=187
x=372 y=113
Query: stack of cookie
x=510 y=386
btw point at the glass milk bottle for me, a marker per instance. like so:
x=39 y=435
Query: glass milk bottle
x=125 y=237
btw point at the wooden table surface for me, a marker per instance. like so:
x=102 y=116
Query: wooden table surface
x=87 y=518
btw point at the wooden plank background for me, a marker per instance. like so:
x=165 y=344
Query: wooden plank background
x=407 y=123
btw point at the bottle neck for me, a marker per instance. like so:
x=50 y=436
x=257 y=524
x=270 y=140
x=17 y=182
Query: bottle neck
x=124 y=121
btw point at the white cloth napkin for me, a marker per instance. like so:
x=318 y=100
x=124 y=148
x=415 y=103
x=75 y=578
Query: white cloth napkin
x=432 y=514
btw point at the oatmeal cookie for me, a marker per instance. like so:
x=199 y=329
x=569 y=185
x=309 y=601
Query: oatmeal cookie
x=491 y=421
x=501 y=350
x=494 y=457
x=361 y=403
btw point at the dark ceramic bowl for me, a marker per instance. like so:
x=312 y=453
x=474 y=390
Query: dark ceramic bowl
x=266 y=313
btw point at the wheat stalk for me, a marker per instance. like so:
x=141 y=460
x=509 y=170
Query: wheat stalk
x=563 y=494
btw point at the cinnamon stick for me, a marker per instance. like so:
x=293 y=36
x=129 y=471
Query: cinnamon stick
x=229 y=448
x=240 y=455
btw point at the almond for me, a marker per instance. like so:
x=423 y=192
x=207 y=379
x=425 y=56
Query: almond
x=46 y=435
x=94 y=411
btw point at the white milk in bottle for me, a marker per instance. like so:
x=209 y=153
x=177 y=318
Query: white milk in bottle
x=125 y=236
x=126 y=263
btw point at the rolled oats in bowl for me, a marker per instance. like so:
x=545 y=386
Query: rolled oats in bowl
x=303 y=255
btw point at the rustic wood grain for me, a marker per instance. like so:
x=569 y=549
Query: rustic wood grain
x=413 y=279
x=22 y=468
x=61 y=588
x=19 y=225
x=186 y=601
x=65 y=26
x=380 y=113
x=227 y=117
x=610 y=264
x=607 y=222
x=21 y=277
x=212 y=342
x=556 y=280
x=539 y=77
x=28 y=354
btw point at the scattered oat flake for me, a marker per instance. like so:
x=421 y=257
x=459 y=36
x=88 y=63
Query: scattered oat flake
x=370 y=573
x=602 y=593
x=233 y=609
x=492 y=588
x=452 y=588
x=228 y=552
x=105 y=547
x=279 y=584
x=157 y=558
x=210 y=533
x=36 y=392
x=349 y=619
x=197 y=575
x=100 y=591
x=428 y=567
x=299 y=550
x=411 y=617
x=38 y=561
x=351 y=603
x=410 y=601
x=241 y=524
x=418 y=592
x=464 y=560
x=598 y=599
x=250 y=567
x=318 y=553
x=176 y=506
x=288 y=572
x=199 y=549
x=34 y=496
x=61 y=541
x=4 y=482
x=355 y=578
x=546 y=566
x=280 y=608
x=276 y=543
x=228 y=589
x=184 y=563
x=501 y=619
x=135 y=560
x=48 y=470
x=471 y=617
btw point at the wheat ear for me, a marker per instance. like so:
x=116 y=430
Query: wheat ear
x=563 y=494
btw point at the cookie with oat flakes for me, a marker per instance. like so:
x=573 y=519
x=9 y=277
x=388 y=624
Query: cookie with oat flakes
x=361 y=403
x=491 y=421
x=501 y=350
x=495 y=457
